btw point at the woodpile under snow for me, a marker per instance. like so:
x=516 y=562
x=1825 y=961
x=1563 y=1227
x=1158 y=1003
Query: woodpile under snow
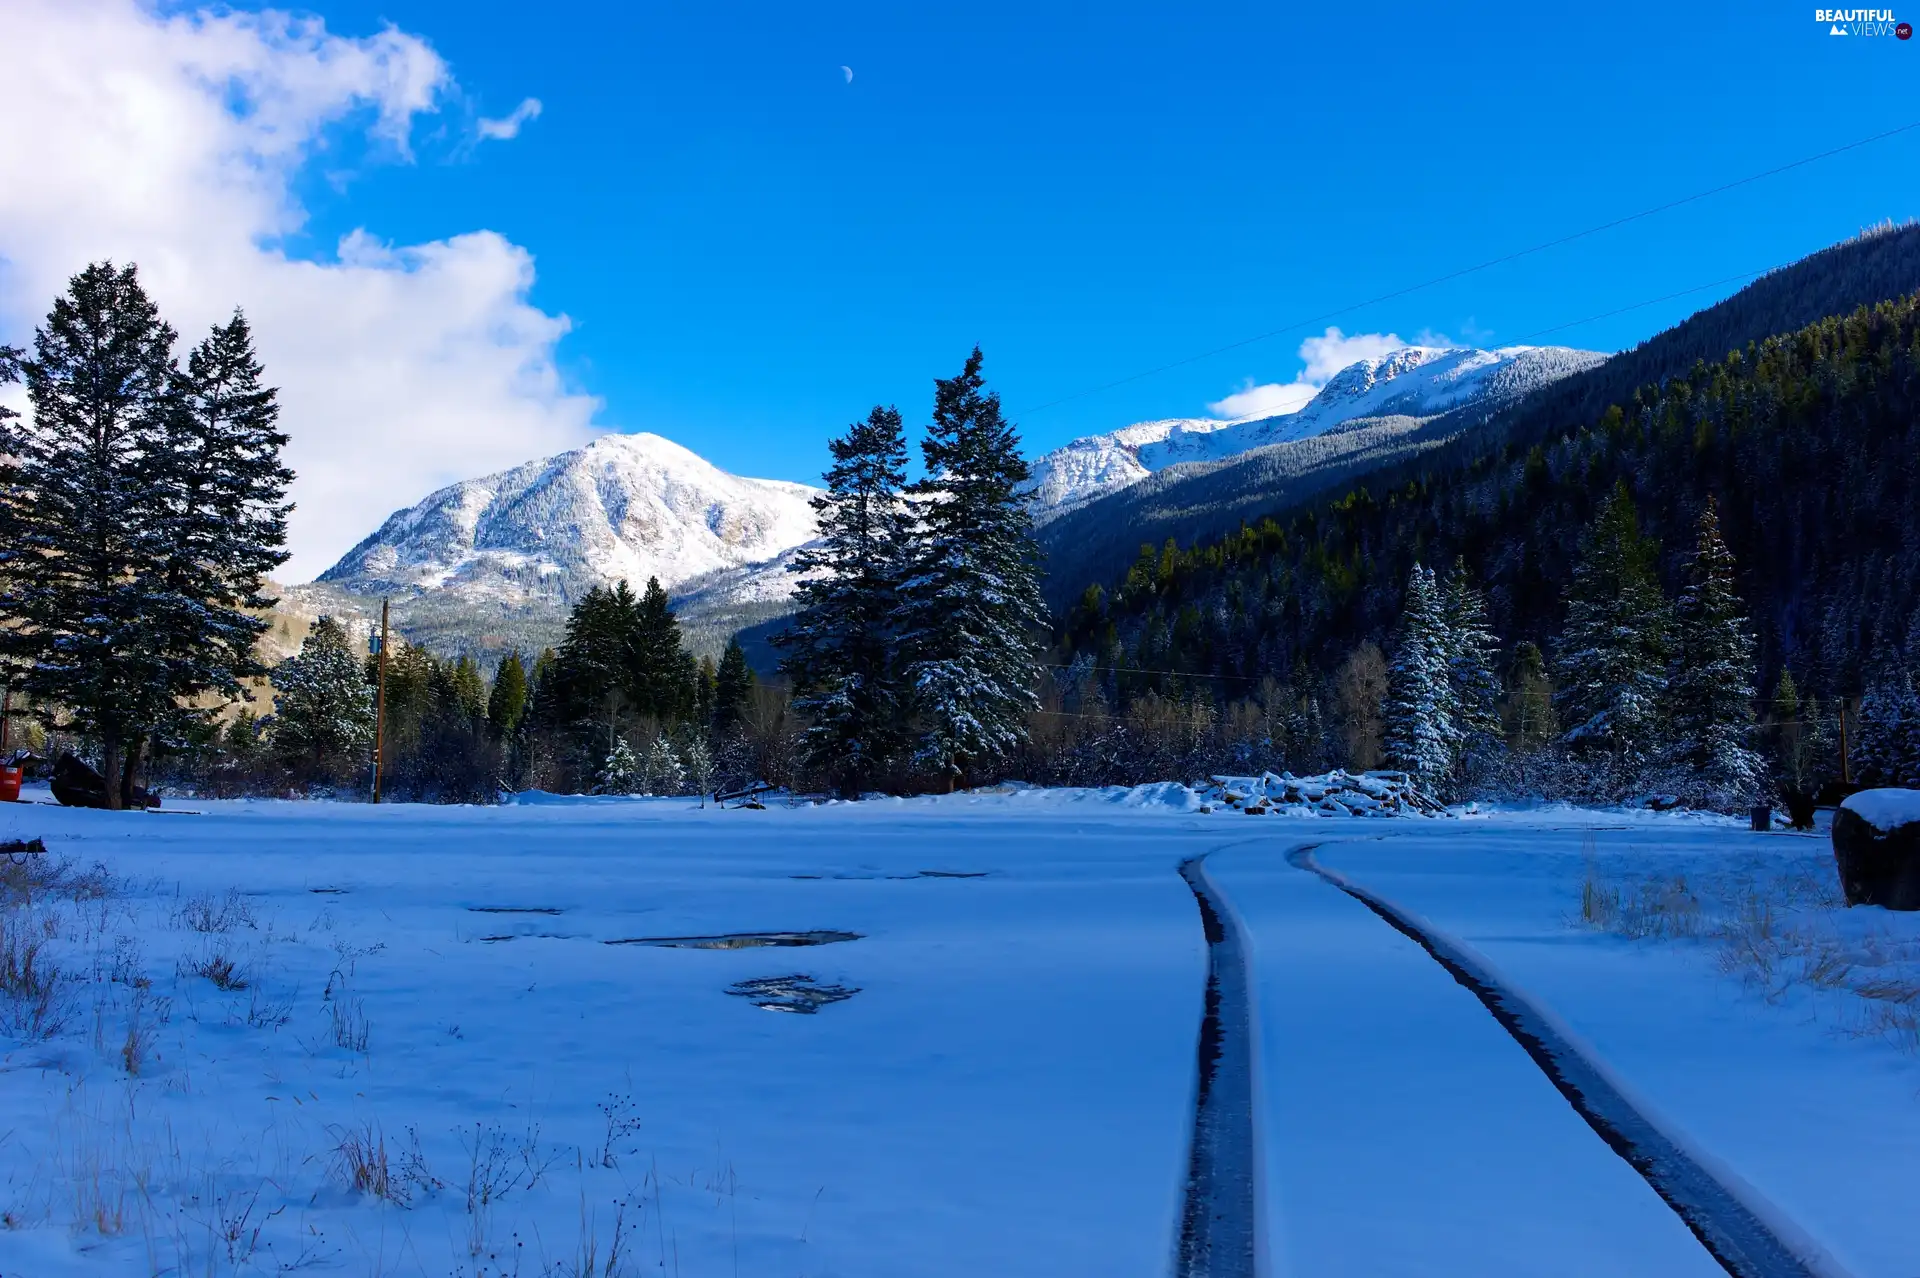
x=1336 y=793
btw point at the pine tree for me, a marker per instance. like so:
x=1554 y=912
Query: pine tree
x=970 y=605
x=1709 y=694
x=1613 y=650
x=86 y=561
x=225 y=516
x=323 y=704
x=841 y=653
x=1473 y=687
x=1420 y=710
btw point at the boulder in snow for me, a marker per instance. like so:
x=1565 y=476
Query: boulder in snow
x=1876 y=845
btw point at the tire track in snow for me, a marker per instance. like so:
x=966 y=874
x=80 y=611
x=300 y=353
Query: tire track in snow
x=1219 y=1220
x=1745 y=1242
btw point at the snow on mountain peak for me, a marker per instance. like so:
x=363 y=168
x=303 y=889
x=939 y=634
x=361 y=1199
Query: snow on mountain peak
x=1415 y=381
x=624 y=506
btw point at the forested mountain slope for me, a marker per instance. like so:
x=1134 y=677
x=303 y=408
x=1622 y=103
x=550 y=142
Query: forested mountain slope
x=1192 y=504
x=1810 y=442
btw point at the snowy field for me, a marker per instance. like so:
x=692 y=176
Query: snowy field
x=312 y=1037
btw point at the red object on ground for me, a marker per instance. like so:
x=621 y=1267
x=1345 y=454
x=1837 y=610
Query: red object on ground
x=10 y=785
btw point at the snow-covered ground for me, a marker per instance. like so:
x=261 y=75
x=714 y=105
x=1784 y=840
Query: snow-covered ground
x=1008 y=1091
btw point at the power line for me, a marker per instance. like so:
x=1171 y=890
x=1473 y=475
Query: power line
x=1482 y=266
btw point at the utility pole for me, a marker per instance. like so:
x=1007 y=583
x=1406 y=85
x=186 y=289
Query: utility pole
x=1846 y=772
x=380 y=709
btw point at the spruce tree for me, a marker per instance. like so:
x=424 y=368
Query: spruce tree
x=1888 y=751
x=225 y=515
x=619 y=771
x=507 y=701
x=970 y=607
x=1709 y=694
x=1613 y=650
x=733 y=688
x=841 y=653
x=85 y=570
x=660 y=671
x=1530 y=721
x=1420 y=716
x=323 y=704
x=591 y=668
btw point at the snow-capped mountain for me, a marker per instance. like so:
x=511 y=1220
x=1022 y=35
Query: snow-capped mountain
x=1415 y=381
x=632 y=506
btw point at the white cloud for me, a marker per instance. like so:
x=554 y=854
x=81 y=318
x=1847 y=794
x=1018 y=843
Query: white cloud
x=509 y=128
x=1322 y=357
x=174 y=141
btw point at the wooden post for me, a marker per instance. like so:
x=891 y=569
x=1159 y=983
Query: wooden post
x=380 y=710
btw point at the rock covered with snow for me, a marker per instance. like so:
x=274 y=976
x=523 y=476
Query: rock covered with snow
x=1415 y=381
x=1336 y=793
x=1876 y=847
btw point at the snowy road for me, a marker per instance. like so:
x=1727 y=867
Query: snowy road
x=1011 y=1090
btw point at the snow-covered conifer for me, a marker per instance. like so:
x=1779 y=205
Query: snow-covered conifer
x=970 y=610
x=223 y=520
x=1473 y=686
x=83 y=573
x=1709 y=695
x=620 y=772
x=1420 y=716
x=661 y=769
x=323 y=706
x=841 y=653
x=1613 y=651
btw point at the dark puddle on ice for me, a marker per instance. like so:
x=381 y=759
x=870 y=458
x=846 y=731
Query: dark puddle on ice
x=741 y=940
x=329 y=891
x=917 y=874
x=530 y=936
x=514 y=909
x=796 y=993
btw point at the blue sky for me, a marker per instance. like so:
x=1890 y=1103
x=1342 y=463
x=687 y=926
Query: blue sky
x=752 y=251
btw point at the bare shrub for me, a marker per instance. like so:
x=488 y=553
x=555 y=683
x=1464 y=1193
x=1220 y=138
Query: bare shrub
x=211 y=914
x=491 y=1176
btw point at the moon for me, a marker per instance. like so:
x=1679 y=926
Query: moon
x=848 y=72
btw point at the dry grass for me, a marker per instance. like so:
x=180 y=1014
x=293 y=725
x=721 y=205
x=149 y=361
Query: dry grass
x=210 y=914
x=44 y=876
x=35 y=994
x=218 y=967
x=1779 y=932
